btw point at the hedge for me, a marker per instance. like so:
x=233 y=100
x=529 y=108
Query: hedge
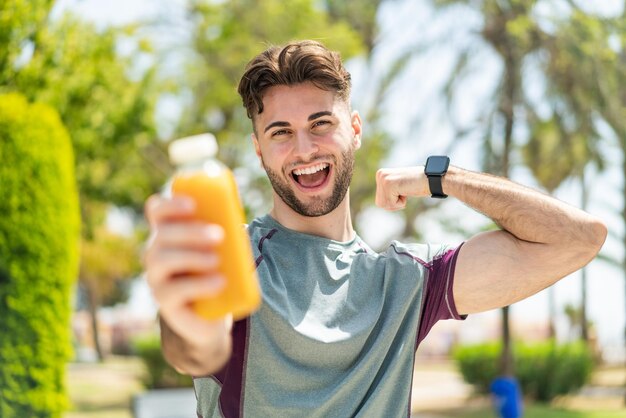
x=159 y=374
x=544 y=370
x=39 y=238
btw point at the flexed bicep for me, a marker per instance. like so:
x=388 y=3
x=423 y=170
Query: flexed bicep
x=495 y=269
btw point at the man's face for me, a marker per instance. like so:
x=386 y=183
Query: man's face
x=306 y=139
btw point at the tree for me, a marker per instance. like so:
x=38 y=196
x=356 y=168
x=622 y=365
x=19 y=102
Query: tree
x=599 y=45
x=586 y=96
x=39 y=236
x=224 y=38
x=553 y=154
x=20 y=21
x=509 y=30
x=106 y=260
x=361 y=16
x=108 y=110
x=565 y=140
x=564 y=145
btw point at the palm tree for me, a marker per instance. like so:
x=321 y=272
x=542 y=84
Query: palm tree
x=509 y=30
x=573 y=118
x=601 y=72
x=556 y=152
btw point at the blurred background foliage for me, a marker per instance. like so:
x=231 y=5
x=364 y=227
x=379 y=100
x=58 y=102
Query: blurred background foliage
x=544 y=370
x=110 y=86
x=39 y=234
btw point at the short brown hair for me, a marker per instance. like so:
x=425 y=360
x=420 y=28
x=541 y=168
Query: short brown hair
x=294 y=63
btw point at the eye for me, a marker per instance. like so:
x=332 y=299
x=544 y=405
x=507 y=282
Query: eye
x=321 y=123
x=280 y=132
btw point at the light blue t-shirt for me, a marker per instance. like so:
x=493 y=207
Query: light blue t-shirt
x=337 y=331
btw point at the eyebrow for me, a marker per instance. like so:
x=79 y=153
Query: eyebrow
x=319 y=115
x=310 y=118
x=273 y=124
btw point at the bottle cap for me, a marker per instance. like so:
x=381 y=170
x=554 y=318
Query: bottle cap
x=193 y=148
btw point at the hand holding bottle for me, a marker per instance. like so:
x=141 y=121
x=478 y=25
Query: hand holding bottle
x=211 y=186
x=181 y=262
x=198 y=260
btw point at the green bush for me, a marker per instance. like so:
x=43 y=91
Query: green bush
x=547 y=370
x=478 y=364
x=39 y=236
x=159 y=374
x=544 y=370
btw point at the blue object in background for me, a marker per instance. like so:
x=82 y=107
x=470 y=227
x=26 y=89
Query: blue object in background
x=507 y=397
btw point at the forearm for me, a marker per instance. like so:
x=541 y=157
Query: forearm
x=205 y=356
x=525 y=213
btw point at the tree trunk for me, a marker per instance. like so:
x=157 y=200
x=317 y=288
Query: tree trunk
x=507 y=111
x=551 y=314
x=506 y=357
x=584 y=330
x=92 y=301
x=624 y=235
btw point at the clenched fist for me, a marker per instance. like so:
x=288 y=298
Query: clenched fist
x=394 y=185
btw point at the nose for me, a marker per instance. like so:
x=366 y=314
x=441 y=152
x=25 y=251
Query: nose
x=304 y=146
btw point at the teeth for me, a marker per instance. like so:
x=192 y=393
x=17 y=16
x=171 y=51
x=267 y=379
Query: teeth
x=310 y=170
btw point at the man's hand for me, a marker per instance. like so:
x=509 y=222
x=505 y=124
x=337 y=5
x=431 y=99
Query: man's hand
x=394 y=185
x=180 y=263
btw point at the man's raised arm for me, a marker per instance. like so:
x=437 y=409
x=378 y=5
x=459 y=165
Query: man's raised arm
x=542 y=239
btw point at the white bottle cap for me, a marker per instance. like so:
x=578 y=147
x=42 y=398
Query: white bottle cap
x=193 y=148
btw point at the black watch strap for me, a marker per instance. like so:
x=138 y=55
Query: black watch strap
x=436 y=167
x=436 y=190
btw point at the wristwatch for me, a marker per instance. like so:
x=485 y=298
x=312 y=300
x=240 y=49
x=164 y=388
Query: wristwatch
x=436 y=168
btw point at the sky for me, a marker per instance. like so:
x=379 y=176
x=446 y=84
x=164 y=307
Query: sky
x=404 y=22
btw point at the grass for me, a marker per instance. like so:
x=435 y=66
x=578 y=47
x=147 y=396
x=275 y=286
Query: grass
x=607 y=403
x=531 y=411
x=106 y=390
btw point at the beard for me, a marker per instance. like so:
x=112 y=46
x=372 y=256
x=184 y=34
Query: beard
x=318 y=207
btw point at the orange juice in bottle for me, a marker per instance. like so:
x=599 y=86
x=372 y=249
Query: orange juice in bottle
x=212 y=186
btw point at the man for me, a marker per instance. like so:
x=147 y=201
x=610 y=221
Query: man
x=339 y=325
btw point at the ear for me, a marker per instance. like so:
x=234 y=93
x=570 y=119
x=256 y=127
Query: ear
x=357 y=129
x=257 y=147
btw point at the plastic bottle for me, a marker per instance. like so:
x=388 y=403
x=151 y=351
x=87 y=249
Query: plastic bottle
x=212 y=185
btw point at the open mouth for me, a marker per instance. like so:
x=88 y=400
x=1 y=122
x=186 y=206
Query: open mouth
x=311 y=177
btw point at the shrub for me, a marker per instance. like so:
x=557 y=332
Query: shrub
x=159 y=374
x=478 y=364
x=39 y=236
x=544 y=370
x=547 y=370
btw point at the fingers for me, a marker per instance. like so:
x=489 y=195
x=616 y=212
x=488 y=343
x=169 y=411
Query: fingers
x=159 y=209
x=394 y=185
x=180 y=256
x=167 y=264
x=191 y=234
x=181 y=248
x=388 y=195
x=178 y=244
x=177 y=293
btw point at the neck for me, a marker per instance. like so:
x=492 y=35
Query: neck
x=336 y=225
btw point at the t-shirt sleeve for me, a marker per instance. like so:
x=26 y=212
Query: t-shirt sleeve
x=438 y=299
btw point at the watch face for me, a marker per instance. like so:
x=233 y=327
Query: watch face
x=437 y=165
